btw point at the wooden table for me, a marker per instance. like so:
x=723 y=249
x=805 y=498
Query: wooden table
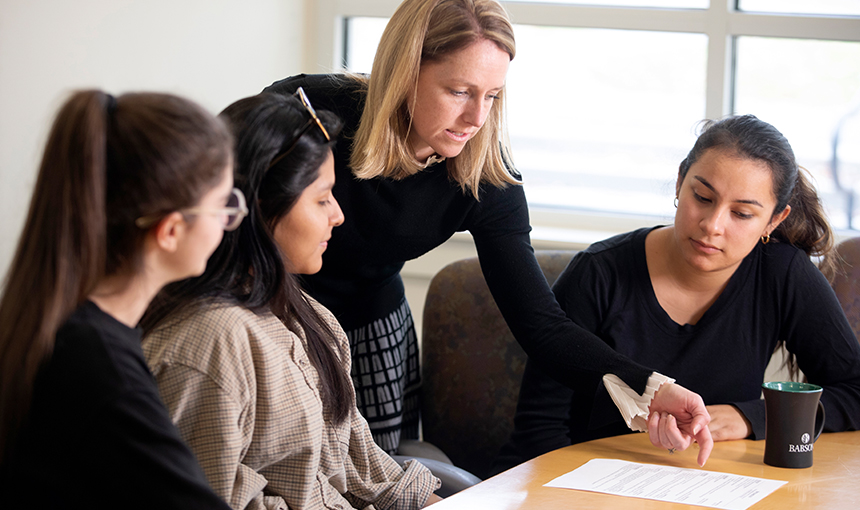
x=833 y=482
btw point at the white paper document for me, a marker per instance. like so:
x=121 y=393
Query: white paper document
x=667 y=483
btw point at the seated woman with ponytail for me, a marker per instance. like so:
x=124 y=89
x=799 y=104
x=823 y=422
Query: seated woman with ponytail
x=133 y=193
x=707 y=299
x=255 y=373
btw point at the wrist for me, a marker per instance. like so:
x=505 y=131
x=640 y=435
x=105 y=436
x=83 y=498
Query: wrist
x=634 y=408
x=655 y=382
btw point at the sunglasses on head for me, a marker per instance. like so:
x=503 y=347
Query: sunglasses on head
x=314 y=120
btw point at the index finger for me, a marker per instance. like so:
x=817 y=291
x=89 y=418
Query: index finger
x=706 y=444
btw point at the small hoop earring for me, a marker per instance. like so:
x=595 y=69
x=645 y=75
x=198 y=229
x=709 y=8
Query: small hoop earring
x=676 y=202
x=765 y=239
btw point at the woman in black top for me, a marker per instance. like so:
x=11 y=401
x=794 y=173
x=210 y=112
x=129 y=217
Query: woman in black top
x=423 y=155
x=707 y=299
x=133 y=192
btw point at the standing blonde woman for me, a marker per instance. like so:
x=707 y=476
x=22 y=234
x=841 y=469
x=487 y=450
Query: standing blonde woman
x=133 y=193
x=424 y=155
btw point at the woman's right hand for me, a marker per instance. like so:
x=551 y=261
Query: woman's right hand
x=677 y=418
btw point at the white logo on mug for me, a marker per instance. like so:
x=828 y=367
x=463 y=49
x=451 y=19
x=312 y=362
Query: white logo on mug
x=801 y=448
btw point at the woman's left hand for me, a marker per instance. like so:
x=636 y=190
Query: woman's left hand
x=728 y=423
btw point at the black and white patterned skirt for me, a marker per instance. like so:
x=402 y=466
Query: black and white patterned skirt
x=387 y=378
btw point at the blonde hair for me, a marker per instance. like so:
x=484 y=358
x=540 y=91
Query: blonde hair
x=424 y=31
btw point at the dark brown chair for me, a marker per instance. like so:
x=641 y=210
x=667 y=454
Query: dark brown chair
x=846 y=283
x=472 y=365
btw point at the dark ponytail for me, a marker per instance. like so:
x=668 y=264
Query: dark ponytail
x=59 y=256
x=807 y=227
x=106 y=163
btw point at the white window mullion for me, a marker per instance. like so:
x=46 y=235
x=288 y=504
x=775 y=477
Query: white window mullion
x=719 y=73
x=795 y=27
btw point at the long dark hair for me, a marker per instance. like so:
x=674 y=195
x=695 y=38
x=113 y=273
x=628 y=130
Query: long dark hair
x=748 y=137
x=107 y=162
x=248 y=268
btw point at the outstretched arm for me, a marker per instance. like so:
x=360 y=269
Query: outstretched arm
x=565 y=349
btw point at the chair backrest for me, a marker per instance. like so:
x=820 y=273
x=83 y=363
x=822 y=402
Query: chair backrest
x=472 y=365
x=846 y=283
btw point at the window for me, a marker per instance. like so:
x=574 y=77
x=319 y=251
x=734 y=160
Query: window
x=810 y=90
x=605 y=98
x=603 y=130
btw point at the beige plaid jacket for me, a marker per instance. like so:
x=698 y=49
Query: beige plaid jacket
x=243 y=393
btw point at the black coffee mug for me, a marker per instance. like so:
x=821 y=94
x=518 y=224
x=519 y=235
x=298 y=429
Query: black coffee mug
x=791 y=420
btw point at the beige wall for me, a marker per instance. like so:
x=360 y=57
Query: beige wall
x=212 y=51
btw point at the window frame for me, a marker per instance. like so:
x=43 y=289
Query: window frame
x=720 y=22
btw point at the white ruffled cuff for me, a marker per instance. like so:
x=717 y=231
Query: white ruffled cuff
x=633 y=406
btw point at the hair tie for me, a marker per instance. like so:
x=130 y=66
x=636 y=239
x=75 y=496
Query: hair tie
x=110 y=107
